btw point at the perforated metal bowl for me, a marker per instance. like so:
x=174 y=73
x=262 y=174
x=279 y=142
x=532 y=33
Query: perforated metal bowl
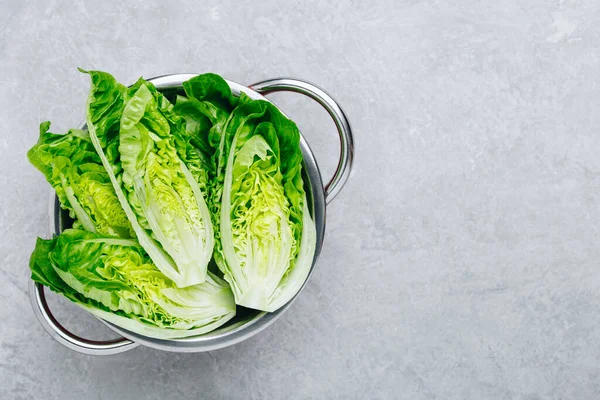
x=248 y=322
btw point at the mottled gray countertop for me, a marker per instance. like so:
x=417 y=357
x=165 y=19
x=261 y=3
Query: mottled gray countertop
x=460 y=262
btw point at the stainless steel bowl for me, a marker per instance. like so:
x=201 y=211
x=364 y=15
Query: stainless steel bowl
x=248 y=322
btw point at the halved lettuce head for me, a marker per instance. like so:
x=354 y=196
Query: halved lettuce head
x=73 y=168
x=138 y=138
x=267 y=235
x=115 y=280
x=206 y=108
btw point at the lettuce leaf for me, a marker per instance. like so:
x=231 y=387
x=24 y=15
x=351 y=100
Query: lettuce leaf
x=134 y=131
x=206 y=109
x=73 y=168
x=116 y=280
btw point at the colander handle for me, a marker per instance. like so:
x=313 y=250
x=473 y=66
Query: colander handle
x=67 y=338
x=342 y=172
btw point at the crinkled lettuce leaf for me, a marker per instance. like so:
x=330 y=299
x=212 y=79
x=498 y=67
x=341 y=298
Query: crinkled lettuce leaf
x=115 y=279
x=134 y=131
x=73 y=168
x=206 y=107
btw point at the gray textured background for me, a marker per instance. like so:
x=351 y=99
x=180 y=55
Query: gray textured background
x=460 y=262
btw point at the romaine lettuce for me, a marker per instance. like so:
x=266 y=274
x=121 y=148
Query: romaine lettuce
x=132 y=131
x=71 y=165
x=206 y=108
x=267 y=236
x=214 y=175
x=116 y=280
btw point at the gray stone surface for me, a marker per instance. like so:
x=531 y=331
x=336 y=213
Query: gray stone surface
x=460 y=262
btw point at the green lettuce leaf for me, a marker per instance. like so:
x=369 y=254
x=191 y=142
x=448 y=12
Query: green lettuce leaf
x=267 y=236
x=73 y=168
x=134 y=131
x=116 y=280
x=206 y=108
